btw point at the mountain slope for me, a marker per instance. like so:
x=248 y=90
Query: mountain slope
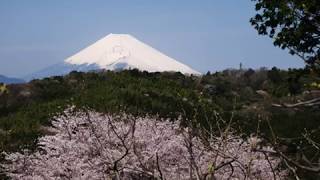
x=114 y=52
x=61 y=69
x=8 y=80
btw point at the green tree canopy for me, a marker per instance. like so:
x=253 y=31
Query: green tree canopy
x=293 y=24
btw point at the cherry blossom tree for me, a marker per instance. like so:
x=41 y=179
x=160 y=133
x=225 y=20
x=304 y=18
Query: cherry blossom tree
x=90 y=145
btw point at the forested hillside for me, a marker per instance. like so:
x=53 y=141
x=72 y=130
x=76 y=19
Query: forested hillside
x=253 y=101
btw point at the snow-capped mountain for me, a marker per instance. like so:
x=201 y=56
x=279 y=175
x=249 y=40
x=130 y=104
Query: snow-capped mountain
x=114 y=52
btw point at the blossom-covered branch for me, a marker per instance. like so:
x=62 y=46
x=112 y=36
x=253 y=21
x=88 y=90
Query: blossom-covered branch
x=90 y=145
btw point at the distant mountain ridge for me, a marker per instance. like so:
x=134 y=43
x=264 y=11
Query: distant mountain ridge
x=9 y=80
x=116 y=52
x=60 y=69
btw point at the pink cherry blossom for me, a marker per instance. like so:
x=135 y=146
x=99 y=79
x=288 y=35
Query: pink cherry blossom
x=90 y=145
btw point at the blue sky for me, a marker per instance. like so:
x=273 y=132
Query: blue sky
x=204 y=34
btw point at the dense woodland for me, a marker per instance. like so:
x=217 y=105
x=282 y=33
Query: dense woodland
x=271 y=103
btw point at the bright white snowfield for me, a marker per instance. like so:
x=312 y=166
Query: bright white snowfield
x=123 y=51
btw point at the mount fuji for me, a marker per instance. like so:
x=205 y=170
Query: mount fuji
x=116 y=52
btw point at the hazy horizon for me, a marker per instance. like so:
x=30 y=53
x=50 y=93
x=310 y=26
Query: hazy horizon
x=207 y=36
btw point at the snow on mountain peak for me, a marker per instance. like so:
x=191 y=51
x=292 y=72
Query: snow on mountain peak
x=123 y=51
